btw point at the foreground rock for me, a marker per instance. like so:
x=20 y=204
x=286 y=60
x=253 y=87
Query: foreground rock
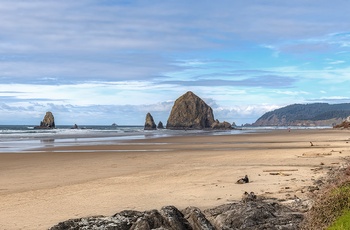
x=257 y=214
x=149 y=123
x=254 y=215
x=48 y=122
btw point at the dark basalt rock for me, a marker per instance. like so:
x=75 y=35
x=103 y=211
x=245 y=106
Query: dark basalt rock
x=168 y=217
x=250 y=214
x=149 y=123
x=221 y=125
x=190 y=112
x=160 y=125
x=254 y=215
x=48 y=122
x=197 y=219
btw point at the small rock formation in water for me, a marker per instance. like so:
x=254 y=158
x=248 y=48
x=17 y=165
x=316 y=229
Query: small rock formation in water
x=149 y=123
x=75 y=126
x=190 y=112
x=160 y=125
x=250 y=214
x=48 y=122
x=221 y=125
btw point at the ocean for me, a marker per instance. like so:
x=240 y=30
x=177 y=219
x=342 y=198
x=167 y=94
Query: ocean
x=14 y=138
x=25 y=137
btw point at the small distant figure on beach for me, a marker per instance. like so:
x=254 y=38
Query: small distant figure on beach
x=243 y=180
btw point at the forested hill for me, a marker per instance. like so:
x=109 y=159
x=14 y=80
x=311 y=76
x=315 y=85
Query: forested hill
x=306 y=115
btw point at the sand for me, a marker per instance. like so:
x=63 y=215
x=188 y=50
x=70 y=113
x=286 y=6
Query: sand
x=40 y=188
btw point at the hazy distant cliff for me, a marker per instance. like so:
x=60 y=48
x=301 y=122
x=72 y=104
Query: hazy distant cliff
x=316 y=114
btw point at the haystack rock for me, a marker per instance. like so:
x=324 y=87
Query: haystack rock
x=190 y=112
x=48 y=122
x=149 y=124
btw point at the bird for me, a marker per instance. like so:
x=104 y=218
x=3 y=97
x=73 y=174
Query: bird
x=243 y=180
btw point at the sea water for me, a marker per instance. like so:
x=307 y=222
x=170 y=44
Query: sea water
x=25 y=137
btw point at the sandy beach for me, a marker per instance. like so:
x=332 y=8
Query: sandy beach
x=40 y=188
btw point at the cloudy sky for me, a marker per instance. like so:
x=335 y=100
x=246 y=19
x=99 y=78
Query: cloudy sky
x=105 y=61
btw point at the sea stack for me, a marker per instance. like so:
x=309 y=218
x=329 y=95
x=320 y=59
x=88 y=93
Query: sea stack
x=160 y=125
x=149 y=123
x=190 y=112
x=48 y=122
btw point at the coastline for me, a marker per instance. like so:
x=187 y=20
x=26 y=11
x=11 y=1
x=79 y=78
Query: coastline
x=44 y=186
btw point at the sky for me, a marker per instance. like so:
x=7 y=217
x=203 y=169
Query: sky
x=103 y=61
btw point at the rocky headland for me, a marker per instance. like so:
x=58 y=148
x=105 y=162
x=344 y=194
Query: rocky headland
x=315 y=114
x=48 y=122
x=191 y=112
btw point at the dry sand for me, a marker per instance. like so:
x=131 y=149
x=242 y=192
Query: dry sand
x=39 y=189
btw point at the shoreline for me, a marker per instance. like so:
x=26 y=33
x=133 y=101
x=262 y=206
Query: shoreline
x=40 y=189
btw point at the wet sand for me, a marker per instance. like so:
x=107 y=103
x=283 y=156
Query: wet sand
x=40 y=188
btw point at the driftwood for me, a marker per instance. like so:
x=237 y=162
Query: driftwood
x=280 y=170
x=280 y=173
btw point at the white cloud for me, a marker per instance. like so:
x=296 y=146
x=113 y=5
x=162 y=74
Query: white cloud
x=336 y=62
x=96 y=57
x=291 y=93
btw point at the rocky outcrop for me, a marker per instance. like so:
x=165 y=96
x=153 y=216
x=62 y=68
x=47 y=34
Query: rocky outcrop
x=254 y=215
x=251 y=214
x=149 y=123
x=48 y=122
x=190 y=112
x=168 y=217
x=221 y=125
x=160 y=125
x=344 y=125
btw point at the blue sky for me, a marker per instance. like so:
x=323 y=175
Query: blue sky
x=104 y=61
